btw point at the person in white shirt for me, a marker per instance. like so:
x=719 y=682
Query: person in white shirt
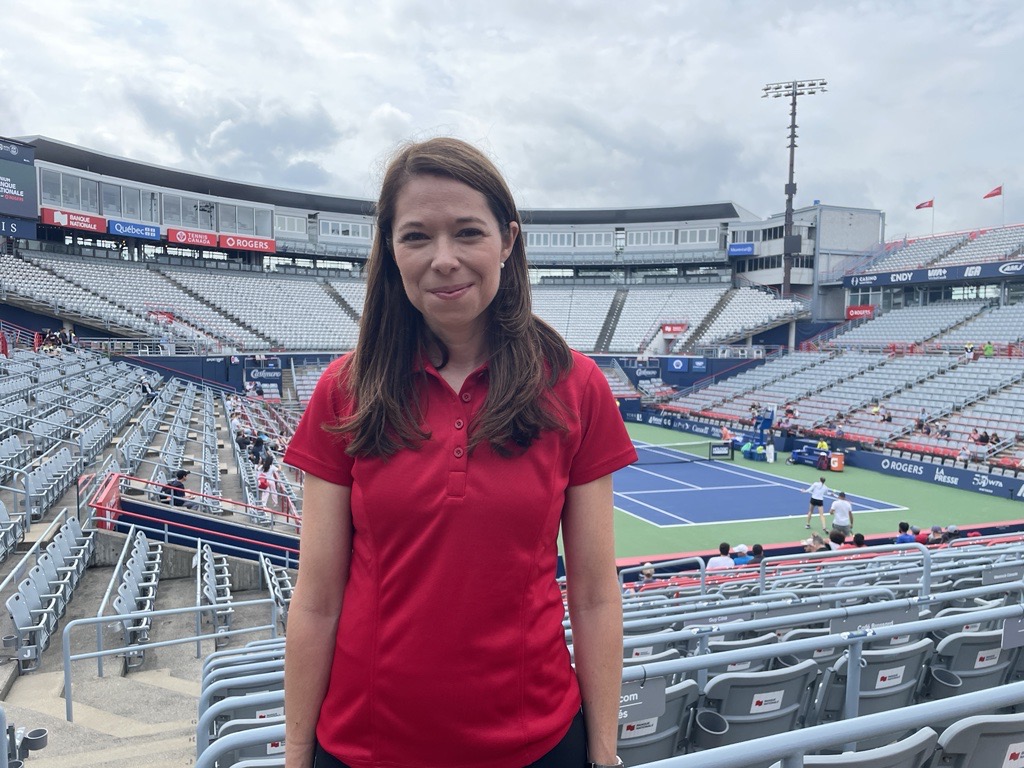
x=817 y=490
x=842 y=514
x=722 y=559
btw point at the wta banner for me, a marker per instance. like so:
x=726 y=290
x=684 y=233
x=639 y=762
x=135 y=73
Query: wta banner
x=951 y=477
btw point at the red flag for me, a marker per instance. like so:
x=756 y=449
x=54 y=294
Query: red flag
x=994 y=193
x=925 y=204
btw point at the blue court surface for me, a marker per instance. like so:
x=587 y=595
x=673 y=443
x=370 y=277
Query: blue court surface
x=699 y=492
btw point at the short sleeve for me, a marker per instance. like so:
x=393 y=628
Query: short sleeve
x=605 y=445
x=315 y=450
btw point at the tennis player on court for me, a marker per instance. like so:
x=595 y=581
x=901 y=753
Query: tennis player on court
x=442 y=457
x=818 y=490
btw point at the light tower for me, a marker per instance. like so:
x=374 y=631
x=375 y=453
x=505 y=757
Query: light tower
x=791 y=242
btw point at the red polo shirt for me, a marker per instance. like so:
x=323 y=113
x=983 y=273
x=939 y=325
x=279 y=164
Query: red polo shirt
x=450 y=648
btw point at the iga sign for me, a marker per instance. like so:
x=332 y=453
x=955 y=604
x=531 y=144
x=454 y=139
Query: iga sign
x=246 y=243
x=190 y=237
x=855 y=311
x=61 y=218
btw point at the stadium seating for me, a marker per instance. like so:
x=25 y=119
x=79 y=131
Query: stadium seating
x=993 y=245
x=914 y=254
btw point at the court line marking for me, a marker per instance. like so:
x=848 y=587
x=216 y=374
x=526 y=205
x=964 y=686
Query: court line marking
x=665 y=512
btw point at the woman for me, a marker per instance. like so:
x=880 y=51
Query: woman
x=455 y=440
x=267 y=481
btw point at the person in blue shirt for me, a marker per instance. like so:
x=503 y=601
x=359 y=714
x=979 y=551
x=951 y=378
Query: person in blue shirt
x=741 y=554
x=905 y=536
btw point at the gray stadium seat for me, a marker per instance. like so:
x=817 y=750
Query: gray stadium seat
x=658 y=738
x=915 y=751
x=983 y=741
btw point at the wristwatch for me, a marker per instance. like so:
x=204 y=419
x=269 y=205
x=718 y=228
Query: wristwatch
x=616 y=764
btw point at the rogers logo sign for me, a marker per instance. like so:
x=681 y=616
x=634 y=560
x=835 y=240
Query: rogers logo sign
x=261 y=244
x=902 y=466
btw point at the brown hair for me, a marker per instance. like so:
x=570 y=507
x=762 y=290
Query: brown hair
x=526 y=356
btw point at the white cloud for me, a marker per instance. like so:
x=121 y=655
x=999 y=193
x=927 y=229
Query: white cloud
x=581 y=103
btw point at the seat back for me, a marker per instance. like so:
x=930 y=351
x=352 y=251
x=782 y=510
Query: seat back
x=889 y=679
x=915 y=751
x=658 y=738
x=982 y=741
x=738 y=706
x=976 y=660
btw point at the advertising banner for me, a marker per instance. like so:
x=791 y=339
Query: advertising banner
x=939 y=474
x=17 y=228
x=948 y=274
x=741 y=249
x=680 y=364
x=670 y=329
x=17 y=180
x=272 y=375
x=247 y=243
x=131 y=229
x=856 y=311
x=191 y=237
x=72 y=220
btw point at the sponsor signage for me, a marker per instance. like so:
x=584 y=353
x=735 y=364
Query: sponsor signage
x=191 y=237
x=721 y=449
x=17 y=179
x=265 y=374
x=951 y=273
x=131 y=229
x=247 y=243
x=856 y=311
x=674 y=328
x=17 y=228
x=642 y=699
x=679 y=364
x=741 y=249
x=951 y=477
x=699 y=365
x=647 y=373
x=680 y=424
x=876 y=619
x=61 y=218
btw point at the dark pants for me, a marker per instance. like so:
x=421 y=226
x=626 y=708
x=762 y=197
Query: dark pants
x=570 y=752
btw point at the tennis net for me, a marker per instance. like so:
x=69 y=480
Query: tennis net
x=684 y=453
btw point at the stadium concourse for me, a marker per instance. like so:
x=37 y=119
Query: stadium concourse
x=147 y=572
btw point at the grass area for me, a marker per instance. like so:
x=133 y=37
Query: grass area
x=927 y=505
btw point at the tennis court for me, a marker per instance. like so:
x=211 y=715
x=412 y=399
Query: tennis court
x=675 y=485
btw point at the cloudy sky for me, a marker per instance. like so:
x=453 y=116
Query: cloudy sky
x=583 y=103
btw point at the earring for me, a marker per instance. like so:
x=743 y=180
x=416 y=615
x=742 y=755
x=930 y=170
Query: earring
x=503 y=265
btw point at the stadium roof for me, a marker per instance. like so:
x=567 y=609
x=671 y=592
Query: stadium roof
x=72 y=156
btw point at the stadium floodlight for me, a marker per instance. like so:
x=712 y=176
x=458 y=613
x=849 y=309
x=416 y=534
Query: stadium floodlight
x=793 y=89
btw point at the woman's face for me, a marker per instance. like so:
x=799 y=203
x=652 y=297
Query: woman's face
x=449 y=249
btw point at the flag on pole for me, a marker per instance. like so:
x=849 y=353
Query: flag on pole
x=997 y=192
x=925 y=204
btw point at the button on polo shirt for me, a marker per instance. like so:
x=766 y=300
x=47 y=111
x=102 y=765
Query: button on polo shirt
x=450 y=648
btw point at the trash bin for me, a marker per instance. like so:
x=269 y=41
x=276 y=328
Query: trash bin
x=836 y=462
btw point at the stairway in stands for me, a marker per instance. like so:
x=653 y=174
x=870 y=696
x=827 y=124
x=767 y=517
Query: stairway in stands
x=704 y=324
x=604 y=338
x=338 y=299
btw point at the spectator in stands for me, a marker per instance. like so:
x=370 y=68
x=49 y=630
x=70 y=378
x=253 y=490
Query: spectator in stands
x=964 y=455
x=267 y=481
x=722 y=559
x=510 y=436
x=836 y=540
x=858 y=540
x=975 y=436
x=951 y=532
x=944 y=431
x=647 y=574
x=178 y=492
x=756 y=554
x=969 y=349
x=842 y=514
x=994 y=439
x=935 y=535
x=875 y=409
x=147 y=390
x=243 y=441
x=983 y=438
x=741 y=555
x=904 y=536
x=813 y=544
x=884 y=414
x=921 y=537
x=256 y=449
x=817 y=489
x=989 y=350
